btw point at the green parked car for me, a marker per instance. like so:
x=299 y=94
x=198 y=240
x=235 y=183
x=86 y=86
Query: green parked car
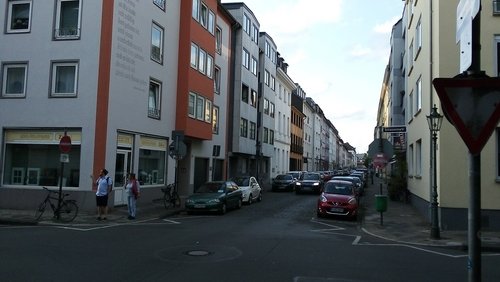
x=215 y=196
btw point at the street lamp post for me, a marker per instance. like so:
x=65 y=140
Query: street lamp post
x=434 y=120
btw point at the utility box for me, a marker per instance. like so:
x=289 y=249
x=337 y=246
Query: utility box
x=381 y=203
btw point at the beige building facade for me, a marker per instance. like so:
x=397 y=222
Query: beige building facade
x=431 y=51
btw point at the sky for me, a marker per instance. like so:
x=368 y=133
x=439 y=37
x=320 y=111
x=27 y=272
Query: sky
x=337 y=51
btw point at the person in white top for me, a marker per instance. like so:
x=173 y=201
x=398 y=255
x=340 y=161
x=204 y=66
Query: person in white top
x=104 y=186
x=132 y=189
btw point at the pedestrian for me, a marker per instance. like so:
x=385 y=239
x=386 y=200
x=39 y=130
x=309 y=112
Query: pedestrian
x=132 y=189
x=104 y=186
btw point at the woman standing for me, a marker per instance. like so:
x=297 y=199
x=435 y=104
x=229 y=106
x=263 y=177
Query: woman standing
x=132 y=189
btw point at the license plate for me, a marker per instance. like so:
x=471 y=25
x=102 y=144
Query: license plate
x=337 y=210
x=199 y=206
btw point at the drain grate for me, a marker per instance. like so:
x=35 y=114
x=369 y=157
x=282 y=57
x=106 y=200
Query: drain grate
x=198 y=253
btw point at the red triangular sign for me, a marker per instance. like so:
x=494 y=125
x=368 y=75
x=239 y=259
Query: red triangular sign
x=472 y=105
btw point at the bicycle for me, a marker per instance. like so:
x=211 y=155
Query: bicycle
x=67 y=212
x=170 y=196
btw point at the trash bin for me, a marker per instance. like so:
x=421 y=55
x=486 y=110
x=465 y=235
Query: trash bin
x=381 y=203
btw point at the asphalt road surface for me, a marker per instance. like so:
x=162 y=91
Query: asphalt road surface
x=278 y=239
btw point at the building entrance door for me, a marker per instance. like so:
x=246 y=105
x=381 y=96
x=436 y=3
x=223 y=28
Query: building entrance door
x=122 y=167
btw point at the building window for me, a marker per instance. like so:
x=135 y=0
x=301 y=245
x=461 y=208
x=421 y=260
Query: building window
x=267 y=49
x=255 y=34
x=192 y=105
x=215 y=120
x=271 y=109
x=411 y=111
x=266 y=77
x=217 y=80
x=218 y=40
x=246 y=24
x=497 y=43
x=32 y=158
x=266 y=106
x=245 y=59
x=271 y=137
x=201 y=61
x=154 y=99
x=64 y=79
x=67 y=19
x=204 y=15
x=200 y=108
x=418 y=92
x=253 y=98
x=160 y=4
x=208 y=111
x=418 y=36
x=210 y=66
x=211 y=22
x=195 y=12
x=254 y=66
x=253 y=130
x=157 y=43
x=152 y=161
x=19 y=16
x=194 y=55
x=244 y=93
x=418 y=158
x=14 y=80
x=243 y=127
x=273 y=83
x=410 y=57
x=266 y=135
x=498 y=153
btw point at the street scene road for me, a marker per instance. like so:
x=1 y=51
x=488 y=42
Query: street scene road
x=278 y=239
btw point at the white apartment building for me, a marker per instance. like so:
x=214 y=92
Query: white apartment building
x=285 y=86
x=100 y=72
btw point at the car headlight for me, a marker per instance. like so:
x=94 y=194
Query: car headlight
x=214 y=201
x=298 y=183
x=352 y=201
x=316 y=184
x=323 y=199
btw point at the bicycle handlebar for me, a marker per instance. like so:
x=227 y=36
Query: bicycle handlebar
x=53 y=191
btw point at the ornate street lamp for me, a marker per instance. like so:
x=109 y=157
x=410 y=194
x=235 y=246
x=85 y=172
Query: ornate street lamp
x=434 y=120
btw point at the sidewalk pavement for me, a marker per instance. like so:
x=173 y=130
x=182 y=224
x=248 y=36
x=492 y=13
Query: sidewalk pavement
x=401 y=222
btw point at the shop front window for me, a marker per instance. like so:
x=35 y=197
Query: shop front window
x=40 y=165
x=152 y=168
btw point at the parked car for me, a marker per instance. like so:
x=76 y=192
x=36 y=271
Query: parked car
x=338 y=199
x=360 y=176
x=309 y=182
x=249 y=187
x=296 y=174
x=215 y=196
x=283 y=182
x=355 y=180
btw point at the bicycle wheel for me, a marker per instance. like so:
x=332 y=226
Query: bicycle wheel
x=68 y=211
x=176 y=200
x=40 y=210
x=167 y=200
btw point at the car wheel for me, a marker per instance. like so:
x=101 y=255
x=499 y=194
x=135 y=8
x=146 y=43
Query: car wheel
x=250 y=199
x=259 y=199
x=240 y=203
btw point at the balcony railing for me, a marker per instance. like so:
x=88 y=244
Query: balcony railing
x=67 y=33
x=154 y=113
